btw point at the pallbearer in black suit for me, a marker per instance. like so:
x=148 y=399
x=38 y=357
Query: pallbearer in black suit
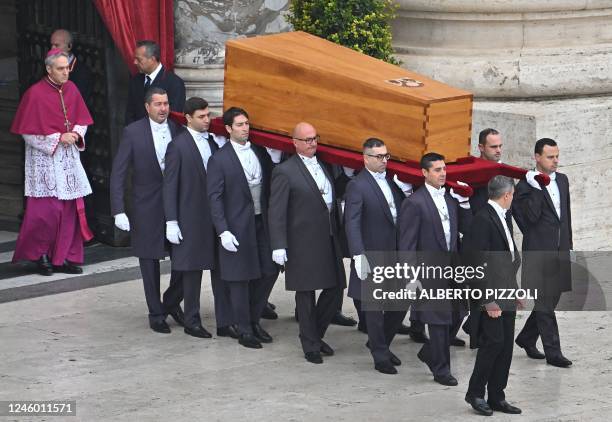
x=430 y=222
x=490 y=241
x=304 y=232
x=238 y=183
x=544 y=216
x=152 y=73
x=189 y=227
x=370 y=221
x=143 y=148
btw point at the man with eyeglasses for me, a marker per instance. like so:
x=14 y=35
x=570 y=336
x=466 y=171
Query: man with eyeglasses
x=304 y=233
x=370 y=219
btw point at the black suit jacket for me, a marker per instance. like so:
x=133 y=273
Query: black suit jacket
x=369 y=223
x=186 y=201
x=147 y=220
x=486 y=242
x=547 y=238
x=232 y=209
x=165 y=79
x=301 y=223
x=421 y=231
x=82 y=78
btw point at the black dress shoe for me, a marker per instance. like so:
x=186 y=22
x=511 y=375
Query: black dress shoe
x=341 y=319
x=559 y=361
x=227 y=331
x=532 y=352
x=269 y=312
x=479 y=405
x=44 y=266
x=160 y=327
x=448 y=380
x=394 y=359
x=68 y=268
x=197 y=331
x=250 y=341
x=272 y=306
x=385 y=367
x=404 y=330
x=418 y=337
x=326 y=349
x=421 y=357
x=457 y=342
x=261 y=334
x=504 y=407
x=178 y=316
x=313 y=357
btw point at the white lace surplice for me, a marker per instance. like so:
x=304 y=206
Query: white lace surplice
x=53 y=169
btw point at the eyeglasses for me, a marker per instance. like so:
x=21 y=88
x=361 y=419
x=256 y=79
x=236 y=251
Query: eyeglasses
x=380 y=157
x=314 y=139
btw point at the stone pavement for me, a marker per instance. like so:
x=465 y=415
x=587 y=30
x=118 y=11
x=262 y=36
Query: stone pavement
x=94 y=346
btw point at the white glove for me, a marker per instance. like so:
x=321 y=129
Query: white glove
x=173 y=232
x=362 y=266
x=275 y=154
x=279 y=256
x=530 y=177
x=122 y=222
x=405 y=187
x=461 y=199
x=348 y=171
x=229 y=241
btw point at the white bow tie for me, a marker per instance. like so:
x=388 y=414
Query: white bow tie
x=310 y=161
x=245 y=147
x=438 y=192
x=380 y=176
x=160 y=127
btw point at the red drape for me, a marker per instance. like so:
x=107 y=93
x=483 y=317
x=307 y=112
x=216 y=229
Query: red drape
x=129 y=21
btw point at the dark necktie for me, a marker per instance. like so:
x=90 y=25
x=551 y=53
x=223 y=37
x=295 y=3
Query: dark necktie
x=147 y=83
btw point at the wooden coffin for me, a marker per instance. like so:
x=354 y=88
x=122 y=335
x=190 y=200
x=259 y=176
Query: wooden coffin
x=286 y=78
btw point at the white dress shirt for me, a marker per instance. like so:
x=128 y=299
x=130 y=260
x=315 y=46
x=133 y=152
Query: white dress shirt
x=381 y=180
x=438 y=197
x=161 y=139
x=201 y=141
x=553 y=191
x=249 y=161
x=324 y=185
x=153 y=74
x=501 y=214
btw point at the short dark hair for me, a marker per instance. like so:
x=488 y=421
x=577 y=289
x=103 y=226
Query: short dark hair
x=499 y=185
x=539 y=146
x=154 y=90
x=193 y=104
x=429 y=158
x=482 y=136
x=373 y=143
x=231 y=113
x=151 y=47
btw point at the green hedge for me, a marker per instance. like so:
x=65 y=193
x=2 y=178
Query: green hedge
x=362 y=25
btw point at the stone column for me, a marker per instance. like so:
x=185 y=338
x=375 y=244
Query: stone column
x=201 y=30
x=537 y=68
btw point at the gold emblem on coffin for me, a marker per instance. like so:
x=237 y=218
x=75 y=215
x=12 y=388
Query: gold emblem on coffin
x=405 y=82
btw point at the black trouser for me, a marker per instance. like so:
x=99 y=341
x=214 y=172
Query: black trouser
x=149 y=268
x=224 y=314
x=542 y=322
x=189 y=289
x=437 y=351
x=496 y=341
x=248 y=298
x=382 y=327
x=314 y=318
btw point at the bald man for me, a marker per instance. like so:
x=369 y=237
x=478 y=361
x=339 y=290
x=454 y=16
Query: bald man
x=304 y=234
x=80 y=74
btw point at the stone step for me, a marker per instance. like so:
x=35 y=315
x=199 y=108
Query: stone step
x=11 y=207
x=14 y=191
x=10 y=174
